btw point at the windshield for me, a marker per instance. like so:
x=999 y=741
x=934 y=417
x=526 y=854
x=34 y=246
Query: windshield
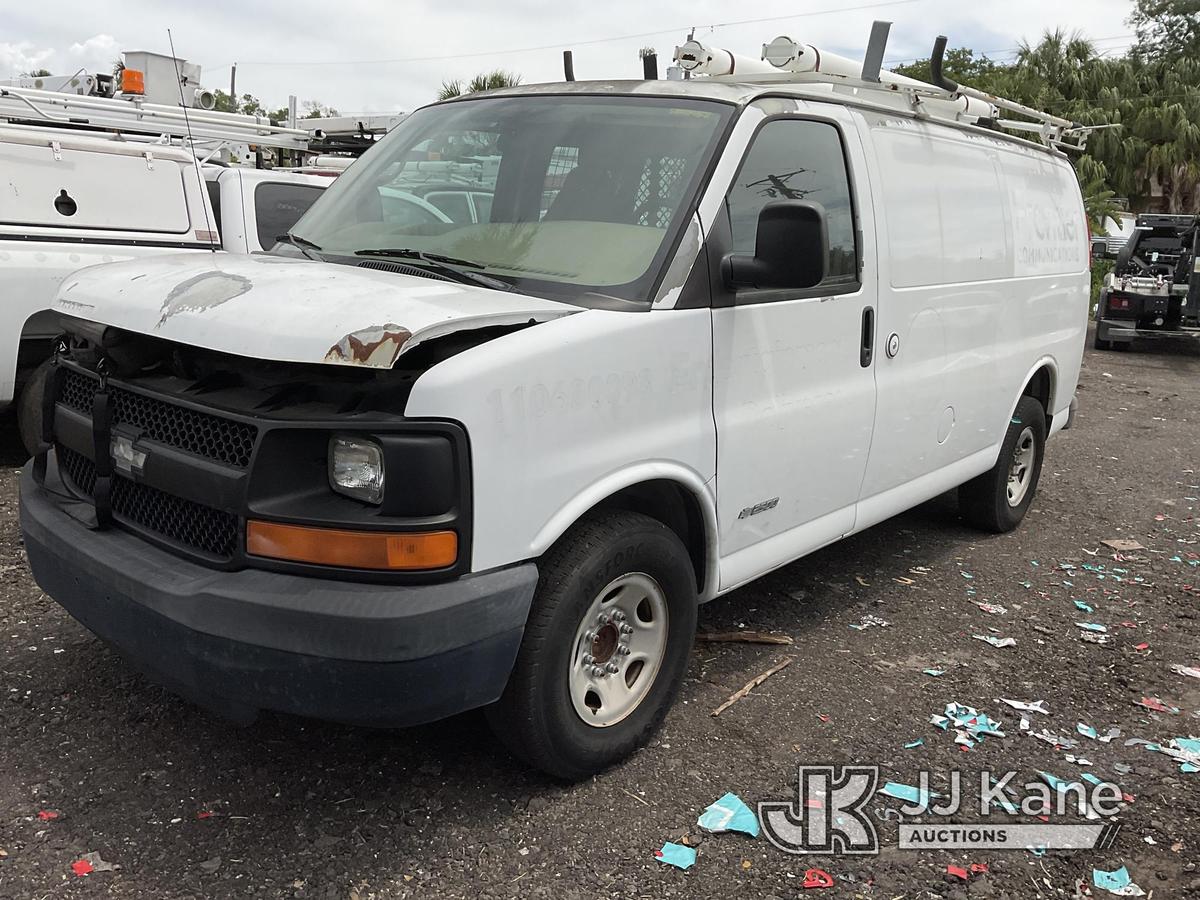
x=556 y=196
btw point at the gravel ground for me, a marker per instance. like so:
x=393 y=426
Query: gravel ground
x=98 y=760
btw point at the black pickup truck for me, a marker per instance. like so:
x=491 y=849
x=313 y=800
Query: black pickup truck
x=1154 y=288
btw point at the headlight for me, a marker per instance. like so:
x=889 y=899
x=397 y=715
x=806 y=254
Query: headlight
x=356 y=468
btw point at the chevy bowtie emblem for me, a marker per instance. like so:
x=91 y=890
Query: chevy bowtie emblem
x=126 y=457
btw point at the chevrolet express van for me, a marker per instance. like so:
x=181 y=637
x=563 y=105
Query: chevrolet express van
x=396 y=470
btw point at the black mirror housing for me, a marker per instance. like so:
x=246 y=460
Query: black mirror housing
x=791 y=249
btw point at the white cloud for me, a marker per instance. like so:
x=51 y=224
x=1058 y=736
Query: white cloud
x=16 y=59
x=297 y=47
x=96 y=54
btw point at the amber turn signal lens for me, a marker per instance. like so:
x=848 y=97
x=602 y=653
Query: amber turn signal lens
x=352 y=549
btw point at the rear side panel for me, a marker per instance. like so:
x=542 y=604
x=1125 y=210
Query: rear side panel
x=983 y=278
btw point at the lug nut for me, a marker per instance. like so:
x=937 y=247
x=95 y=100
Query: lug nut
x=611 y=668
x=598 y=671
x=626 y=629
x=618 y=616
x=587 y=659
x=623 y=650
x=589 y=636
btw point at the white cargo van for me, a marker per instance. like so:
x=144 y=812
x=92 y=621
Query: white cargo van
x=398 y=470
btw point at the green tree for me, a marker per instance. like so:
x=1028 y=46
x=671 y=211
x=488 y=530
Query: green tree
x=315 y=109
x=247 y=105
x=960 y=63
x=37 y=73
x=485 y=81
x=1166 y=29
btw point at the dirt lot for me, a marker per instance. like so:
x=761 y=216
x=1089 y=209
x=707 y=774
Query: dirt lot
x=188 y=806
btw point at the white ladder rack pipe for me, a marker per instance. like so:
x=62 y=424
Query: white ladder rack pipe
x=699 y=59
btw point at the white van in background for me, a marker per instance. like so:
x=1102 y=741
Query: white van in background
x=396 y=470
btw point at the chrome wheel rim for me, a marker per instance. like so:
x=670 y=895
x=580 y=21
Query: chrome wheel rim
x=1020 y=470
x=618 y=650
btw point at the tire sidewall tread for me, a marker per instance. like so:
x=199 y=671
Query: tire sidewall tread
x=535 y=717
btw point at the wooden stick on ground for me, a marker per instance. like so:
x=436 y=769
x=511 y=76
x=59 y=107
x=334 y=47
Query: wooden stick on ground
x=751 y=685
x=744 y=637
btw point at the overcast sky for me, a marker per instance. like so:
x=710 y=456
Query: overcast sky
x=375 y=55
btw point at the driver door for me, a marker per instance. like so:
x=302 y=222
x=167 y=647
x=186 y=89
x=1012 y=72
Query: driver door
x=793 y=370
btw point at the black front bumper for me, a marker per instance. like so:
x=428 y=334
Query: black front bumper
x=239 y=642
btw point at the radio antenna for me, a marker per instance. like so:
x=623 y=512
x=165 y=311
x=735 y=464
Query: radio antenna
x=212 y=243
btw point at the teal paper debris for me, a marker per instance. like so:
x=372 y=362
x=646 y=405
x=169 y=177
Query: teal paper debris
x=912 y=745
x=1087 y=731
x=936 y=673
x=676 y=855
x=1185 y=751
x=971 y=720
x=907 y=793
x=1091 y=779
x=1093 y=626
x=729 y=814
x=1084 y=606
x=1116 y=882
x=1055 y=782
x=997 y=642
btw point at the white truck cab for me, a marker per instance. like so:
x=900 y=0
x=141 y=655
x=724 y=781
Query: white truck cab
x=396 y=470
x=253 y=207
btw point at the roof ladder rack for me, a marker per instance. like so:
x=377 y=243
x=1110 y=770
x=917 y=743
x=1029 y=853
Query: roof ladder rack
x=788 y=61
x=49 y=109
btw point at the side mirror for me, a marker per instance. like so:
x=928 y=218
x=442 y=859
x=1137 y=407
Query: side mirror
x=1099 y=248
x=791 y=249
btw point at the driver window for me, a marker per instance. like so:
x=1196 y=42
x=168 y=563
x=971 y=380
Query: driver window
x=797 y=159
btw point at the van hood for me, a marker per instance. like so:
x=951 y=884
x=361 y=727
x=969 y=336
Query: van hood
x=289 y=310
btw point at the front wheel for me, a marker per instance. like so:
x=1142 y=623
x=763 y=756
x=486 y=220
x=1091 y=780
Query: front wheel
x=605 y=648
x=998 y=499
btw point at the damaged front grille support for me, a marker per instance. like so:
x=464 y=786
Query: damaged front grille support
x=101 y=452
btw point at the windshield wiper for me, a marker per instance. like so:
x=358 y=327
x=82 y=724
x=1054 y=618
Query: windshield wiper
x=304 y=244
x=442 y=265
x=406 y=253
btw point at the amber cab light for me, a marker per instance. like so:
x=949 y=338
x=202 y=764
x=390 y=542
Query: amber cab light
x=389 y=550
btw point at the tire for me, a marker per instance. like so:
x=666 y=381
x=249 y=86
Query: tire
x=985 y=502
x=1099 y=344
x=29 y=408
x=601 y=567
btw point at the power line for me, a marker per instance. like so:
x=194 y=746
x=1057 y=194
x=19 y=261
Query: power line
x=567 y=44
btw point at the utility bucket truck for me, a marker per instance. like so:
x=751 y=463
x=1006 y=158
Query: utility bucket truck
x=99 y=169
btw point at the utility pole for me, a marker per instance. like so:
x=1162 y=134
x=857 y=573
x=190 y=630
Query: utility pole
x=233 y=86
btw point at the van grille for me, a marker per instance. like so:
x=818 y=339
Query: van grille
x=190 y=525
x=213 y=437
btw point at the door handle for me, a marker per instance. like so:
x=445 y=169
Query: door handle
x=866 y=350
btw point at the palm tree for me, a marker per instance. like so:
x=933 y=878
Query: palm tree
x=484 y=81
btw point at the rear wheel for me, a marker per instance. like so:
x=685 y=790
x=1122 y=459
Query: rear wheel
x=29 y=408
x=605 y=648
x=998 y=499
x=1101 y=344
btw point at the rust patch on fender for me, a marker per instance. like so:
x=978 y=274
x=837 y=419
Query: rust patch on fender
x=377 y=345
